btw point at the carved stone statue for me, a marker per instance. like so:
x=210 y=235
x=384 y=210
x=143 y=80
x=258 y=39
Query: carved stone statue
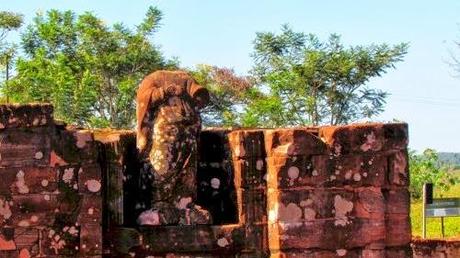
x=168 y=127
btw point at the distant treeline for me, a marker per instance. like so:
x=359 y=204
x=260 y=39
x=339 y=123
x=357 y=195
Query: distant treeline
x=450 y=158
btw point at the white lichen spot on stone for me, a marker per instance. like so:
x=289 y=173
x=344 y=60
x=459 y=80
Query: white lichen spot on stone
x=259 y=164
x=73 y=231
x=46 y=197
x=24 y=223
x=314 y=172
x=38 y=155
x=44 y=183
x=348 y=175
x=341 y=208
x=332 y=178
x=93 y=185
x=91 y=211
x=337 y=172
x=82 y=138
x=370 y=143
x=215 y=183
x=357 y=177
x=183 y=202
x=36 y=121
x=68 y=175
x=364 y=174
x=222 y=242
x=306 y=203
x=309 y=214
x=149 y=217
x=290 y=213
x=5 y=209
x=21 y=183
x=293 y=172
x=341 y=252
x=33 y=218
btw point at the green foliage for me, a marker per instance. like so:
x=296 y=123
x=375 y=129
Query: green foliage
x=426 y=168
x=228 y=94
x=8 y=21
x=302 y=80
x=88 y=70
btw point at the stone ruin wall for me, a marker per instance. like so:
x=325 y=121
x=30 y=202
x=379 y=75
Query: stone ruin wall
x=301 y=192
x=50 y=186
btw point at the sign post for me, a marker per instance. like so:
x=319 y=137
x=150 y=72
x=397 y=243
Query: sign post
x=438 y=207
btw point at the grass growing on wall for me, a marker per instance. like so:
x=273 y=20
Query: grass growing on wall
x=451 y=224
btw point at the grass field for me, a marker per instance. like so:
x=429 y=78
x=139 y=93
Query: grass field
x=451 y=224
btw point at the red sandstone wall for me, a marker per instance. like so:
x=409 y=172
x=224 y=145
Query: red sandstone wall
x=329 y=191
x=50 y=186
x=305 y=192
x=436 y=248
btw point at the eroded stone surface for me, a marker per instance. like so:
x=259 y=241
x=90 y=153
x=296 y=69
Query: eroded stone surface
x=304 y=192
x=167 y=134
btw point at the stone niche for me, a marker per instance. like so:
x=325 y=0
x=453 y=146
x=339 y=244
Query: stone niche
x=333 y=191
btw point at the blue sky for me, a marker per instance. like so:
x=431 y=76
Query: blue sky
x=424 y=92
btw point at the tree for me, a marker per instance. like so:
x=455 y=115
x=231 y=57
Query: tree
x=88 y=70
x=426 y=168
x=9 y=21
x=307 y=81
x=228 y=94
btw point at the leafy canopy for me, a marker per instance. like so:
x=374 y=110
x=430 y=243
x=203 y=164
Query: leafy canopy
x=302 y=80
x=426 y=168
x=86 y=68
x=228 y=93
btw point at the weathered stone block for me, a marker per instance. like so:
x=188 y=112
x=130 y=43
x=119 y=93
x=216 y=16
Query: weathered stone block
x=399 y=168
x=90 y=209
x=326 y=234
x=27 y=238
x=339 y=205
x=60 y=240
x=359 y=138
x=90 y=179
x=326 y=171
x=20 y=116
x=247 y=143
x=33 y=210
x=354 y=253
x=25 y=180
x=250 y=173
x=116 y=144
x=396 y=136
x=435 y=248
x=292 y=142
x=222 y=240
x=398 y=229
x=91 y=239
x=72 y=146
x=256 y=240
x=25 y=147
x=397 y=201
x=252 y=206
